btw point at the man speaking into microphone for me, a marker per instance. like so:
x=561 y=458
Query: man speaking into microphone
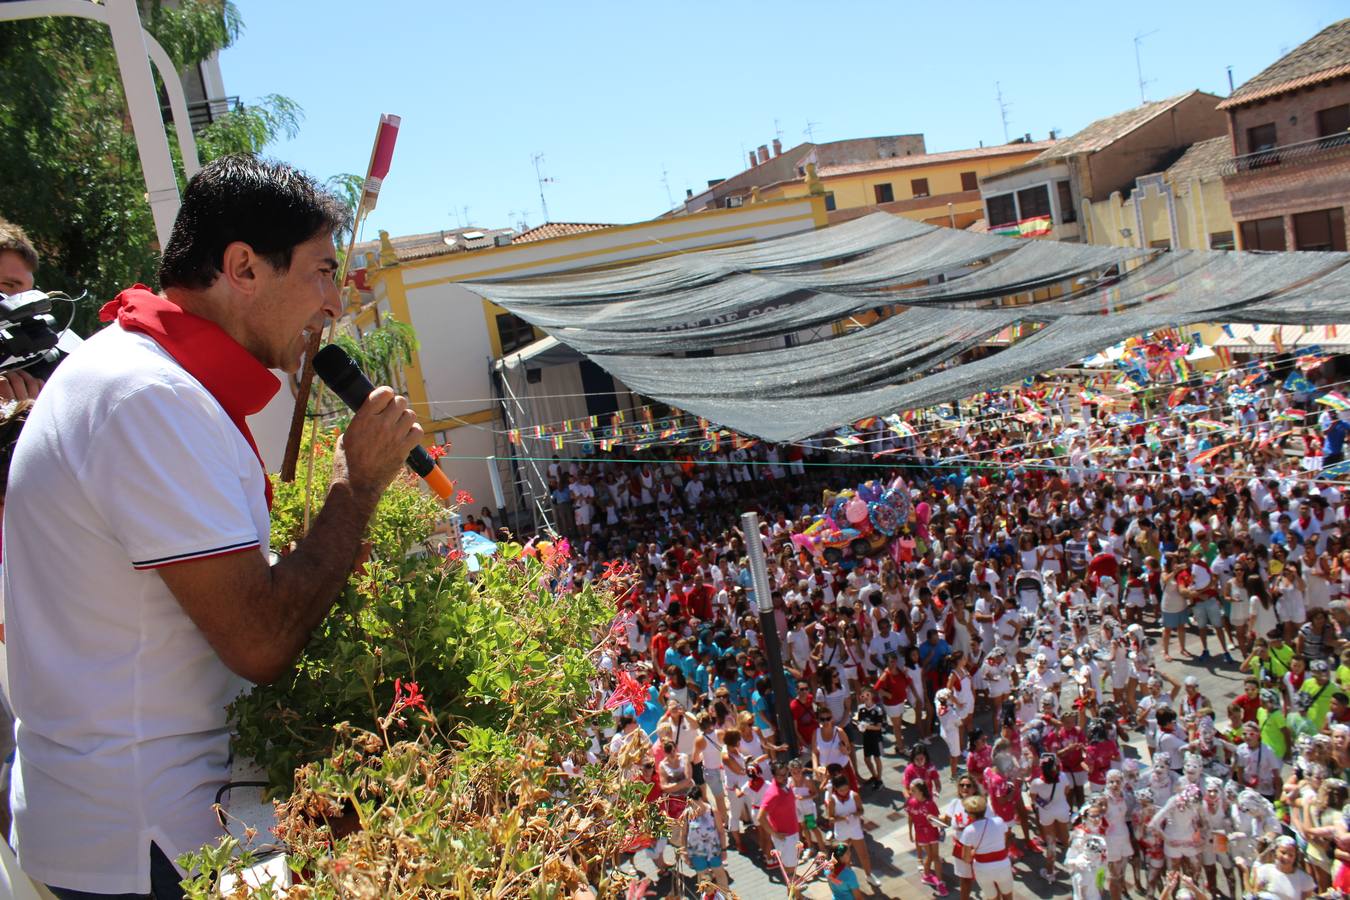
x=138 y=593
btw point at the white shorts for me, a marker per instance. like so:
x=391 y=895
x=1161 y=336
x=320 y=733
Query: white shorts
x=1080 y=779
x=961 y=868
x=848 y=829
x=894 y=712
x=787 y=849
x=994 y=878
x=1049 y=815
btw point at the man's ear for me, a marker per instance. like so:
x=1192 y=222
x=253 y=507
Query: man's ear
x=240 y=267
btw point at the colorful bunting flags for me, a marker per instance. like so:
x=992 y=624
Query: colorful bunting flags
x=1298 y=383
x=1336 y=400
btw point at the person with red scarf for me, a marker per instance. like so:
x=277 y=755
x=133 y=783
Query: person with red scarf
x=138 y=464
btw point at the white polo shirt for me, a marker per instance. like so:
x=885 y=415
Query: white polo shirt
x=127 y=464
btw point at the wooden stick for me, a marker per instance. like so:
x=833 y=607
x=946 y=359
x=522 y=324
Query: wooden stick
x=292 y=455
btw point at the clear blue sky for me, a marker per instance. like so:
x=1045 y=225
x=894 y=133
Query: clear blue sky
x=614 y=93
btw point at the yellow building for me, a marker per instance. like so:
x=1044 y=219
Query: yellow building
x=1183 y=206
x=937 y=188
x=474 y=354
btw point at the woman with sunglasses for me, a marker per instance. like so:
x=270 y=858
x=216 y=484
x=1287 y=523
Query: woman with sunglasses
x=955 y=817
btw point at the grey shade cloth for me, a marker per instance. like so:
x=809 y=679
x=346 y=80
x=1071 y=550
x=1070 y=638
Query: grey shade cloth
x=936 y=290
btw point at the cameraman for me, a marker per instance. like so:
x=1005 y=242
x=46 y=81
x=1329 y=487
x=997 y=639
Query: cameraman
x=138 y=591
x=18 y=259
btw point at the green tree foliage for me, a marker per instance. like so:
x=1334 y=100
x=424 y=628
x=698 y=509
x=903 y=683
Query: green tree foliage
x=69 y=171
x=381 y=353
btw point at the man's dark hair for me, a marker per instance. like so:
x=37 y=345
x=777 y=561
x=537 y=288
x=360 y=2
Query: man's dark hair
x=267 y=205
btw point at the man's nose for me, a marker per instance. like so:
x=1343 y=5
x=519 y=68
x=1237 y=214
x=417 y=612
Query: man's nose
x=332 y=301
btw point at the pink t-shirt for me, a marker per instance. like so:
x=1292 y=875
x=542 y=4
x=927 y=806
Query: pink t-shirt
x=927 y=773
x=779 y=808
x=1099 y=758
x=925 y=832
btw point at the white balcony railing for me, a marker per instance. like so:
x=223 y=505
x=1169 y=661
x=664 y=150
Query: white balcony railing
x=1303 y=151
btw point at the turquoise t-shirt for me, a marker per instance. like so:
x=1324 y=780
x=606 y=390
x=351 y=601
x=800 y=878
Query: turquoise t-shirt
x=843 y=885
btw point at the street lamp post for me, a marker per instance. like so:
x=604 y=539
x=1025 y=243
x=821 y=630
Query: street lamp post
x=768 y=627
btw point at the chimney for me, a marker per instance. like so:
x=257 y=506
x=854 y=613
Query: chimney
x=763 y=154
x=777 y=148
x=1028 y=137
x=753 y=159
x=689 y=193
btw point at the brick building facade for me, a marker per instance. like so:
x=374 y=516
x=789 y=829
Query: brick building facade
x=1288 y=182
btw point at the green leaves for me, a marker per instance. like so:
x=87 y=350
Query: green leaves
x=69 y=171
x=249 y=128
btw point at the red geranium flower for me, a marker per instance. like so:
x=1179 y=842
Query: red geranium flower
x=627 y=690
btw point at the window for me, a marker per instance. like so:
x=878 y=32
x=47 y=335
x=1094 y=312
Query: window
x=1333 y=122
x=1033 y=202
x=1262 y=137
x=1068 y=211
x=970 y=181
x=829 y=201
x=513 y=332
x=1320 y=230
x=1160 y=244
x=1000 y=210
x=883 y=192
x=918 y=187
x=1263 y=234
x=1221 y=240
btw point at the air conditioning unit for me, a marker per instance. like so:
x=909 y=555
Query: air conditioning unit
x=501 y=240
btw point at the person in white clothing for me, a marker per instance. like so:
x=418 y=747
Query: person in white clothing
x=137 y=462
x=1283 y=879
x=985 y=849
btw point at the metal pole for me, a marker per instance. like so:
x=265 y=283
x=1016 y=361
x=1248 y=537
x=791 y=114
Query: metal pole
x=768 y=626
x=498 y=495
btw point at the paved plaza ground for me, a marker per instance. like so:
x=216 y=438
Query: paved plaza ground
x=891 y=850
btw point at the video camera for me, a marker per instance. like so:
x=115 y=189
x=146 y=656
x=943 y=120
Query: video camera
x=30 y=338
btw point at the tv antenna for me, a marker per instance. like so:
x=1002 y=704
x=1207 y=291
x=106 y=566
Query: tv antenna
x=1139 y=65
x=542 y=180
x=521 y=219
x=1003 y=106
x=810 y=130
x=777 y=130
x=665 y=181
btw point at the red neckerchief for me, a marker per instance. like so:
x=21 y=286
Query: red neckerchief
x=240 y=384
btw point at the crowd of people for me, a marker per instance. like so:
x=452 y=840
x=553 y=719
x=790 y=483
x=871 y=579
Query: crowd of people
x=1025 y=640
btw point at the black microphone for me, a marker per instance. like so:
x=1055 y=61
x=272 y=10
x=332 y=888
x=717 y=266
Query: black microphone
x=345 y=378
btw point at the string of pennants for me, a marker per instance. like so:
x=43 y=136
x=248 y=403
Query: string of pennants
x=617 y=431
x=1157 y=359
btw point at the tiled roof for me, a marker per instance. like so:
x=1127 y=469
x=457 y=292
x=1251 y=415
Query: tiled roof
x=1105 y=132
x=1201 y=159
x=928 y=159
x=556 y=230
x=434 y=243
x=1323 y=56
